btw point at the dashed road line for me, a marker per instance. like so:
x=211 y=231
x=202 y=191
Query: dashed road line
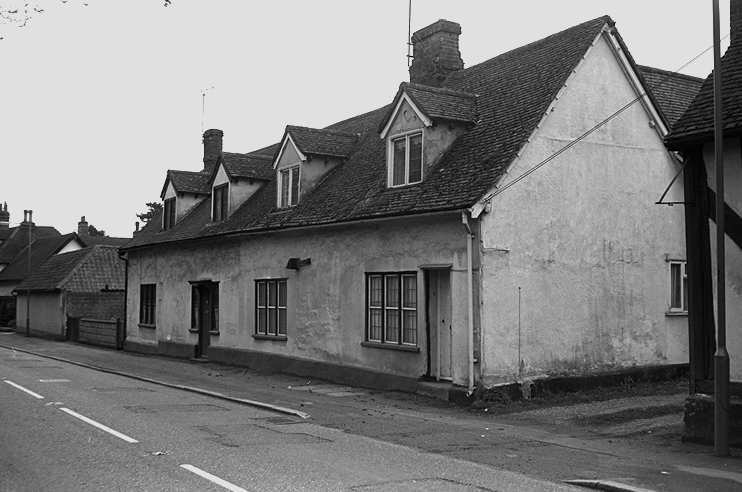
x=54 y=380
x=18 y=386
x=213 y=478
x=100 y=426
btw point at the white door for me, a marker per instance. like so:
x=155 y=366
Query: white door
x=439 y=322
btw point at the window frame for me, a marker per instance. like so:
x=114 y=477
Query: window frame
x=147 y=305
x=682 y=286
x=223 y=202
x=401 y=308
x=277 y=307
x=407 y=135
x=292 y=200
x=168 y=213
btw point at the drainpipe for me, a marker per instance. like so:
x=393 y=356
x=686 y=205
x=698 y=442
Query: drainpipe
x=470 y=299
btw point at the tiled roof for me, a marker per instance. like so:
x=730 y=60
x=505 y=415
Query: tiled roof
x=254 y=166
x=322 y=142
x=697 y=123
x=673 y=91
x=85 y=270
x=41 y=249
x=16 y=241
x=440 y=103
x=188 y=182
x=514 y=91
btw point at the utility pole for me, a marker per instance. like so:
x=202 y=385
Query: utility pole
x=721 y=356
x=28 y=213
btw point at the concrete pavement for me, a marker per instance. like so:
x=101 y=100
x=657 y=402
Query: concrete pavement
x=539 y=444
x=71 y=428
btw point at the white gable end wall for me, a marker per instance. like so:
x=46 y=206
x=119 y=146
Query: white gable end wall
x=582 y=241
x=73 y=245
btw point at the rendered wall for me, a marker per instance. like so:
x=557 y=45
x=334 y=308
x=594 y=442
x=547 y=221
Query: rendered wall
x=584 y=241
x=733 y=256
x=326 y=300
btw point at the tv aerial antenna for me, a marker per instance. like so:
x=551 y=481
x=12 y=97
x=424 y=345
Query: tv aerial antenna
x=203 y=105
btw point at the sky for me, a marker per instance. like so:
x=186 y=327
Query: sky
x=101 y=97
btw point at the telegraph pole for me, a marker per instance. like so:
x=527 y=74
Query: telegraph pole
x=721 y=356
x=28 y=271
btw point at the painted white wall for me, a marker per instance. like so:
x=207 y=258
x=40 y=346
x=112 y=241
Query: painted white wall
x=733 y=256
x=73 y=245
x=584 y=241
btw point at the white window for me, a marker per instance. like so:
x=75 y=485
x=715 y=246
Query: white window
x=288 y=187
x=406 y=159
x=678 y=287
x=391 y=308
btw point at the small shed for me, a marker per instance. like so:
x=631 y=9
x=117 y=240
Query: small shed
x=85 y=283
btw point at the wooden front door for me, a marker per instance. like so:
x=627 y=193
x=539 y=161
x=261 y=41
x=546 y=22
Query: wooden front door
x=439 y=323
x=205 y=314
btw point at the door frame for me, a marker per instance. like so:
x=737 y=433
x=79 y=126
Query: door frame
x=428 y=270
x=206 y=289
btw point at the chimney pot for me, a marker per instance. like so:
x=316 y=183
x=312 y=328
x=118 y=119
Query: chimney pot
x=436 y=53
x=212 y=140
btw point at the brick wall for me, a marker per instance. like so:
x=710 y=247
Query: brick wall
x=97 y=305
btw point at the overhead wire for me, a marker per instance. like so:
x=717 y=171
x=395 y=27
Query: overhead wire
x=597 y=126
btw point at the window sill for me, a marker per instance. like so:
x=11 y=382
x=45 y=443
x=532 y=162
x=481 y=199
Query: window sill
x=391 y=346
x=210 y=332
x=676 y=313
x=272 y=338
x=147 y=325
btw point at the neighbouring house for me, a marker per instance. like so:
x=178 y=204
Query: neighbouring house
x=392 y=244
x=91 y=235
x=693 y=137
x=14 y=260
x=88 y=282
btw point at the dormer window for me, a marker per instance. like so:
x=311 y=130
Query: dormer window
x=406 y=159
x=168 y=216
x=220 y=207
x=288 y=184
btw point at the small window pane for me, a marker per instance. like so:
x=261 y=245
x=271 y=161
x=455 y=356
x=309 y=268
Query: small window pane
x=374 y=324
x=272 y=321
x=295 y=185
x=416 y=158
x=261 y=294
x=281 y=321
x=392 y=291
x=272 y=294
x=262 y=320
x=392 y=325
x=284 y=188
x=282 y=293
x=376 y=290
x=398 y=162
x=409 y=298
x=675 y=294
x=410 y=327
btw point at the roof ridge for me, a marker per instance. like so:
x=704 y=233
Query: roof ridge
x=444 y=90
x=336 y=132
x=670 y=72
x=605 y=18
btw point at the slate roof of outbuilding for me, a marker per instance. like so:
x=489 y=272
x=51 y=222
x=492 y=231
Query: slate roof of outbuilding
x=16 y=241
x=697 y=123
x=86 y=270
x=41 y=250
x=439 y=102
x=673 y=91
x=322 y=142
x=514 y=91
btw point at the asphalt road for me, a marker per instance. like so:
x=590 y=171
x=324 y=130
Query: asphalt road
x=64 y=427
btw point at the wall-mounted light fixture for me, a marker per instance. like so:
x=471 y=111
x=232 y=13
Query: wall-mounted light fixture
x=297 y=263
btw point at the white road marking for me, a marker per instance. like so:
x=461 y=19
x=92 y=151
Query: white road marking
x=102 y=427
x=213 y=478
x=54 y=380
x=18 y=386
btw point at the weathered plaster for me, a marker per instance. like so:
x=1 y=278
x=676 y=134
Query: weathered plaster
x=326 y=300
x=584 y=241
x=733 y=256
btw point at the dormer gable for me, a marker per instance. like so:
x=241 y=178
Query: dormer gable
x=421 y=126
x=304 y=157
x=236 y=178
x=181 y=191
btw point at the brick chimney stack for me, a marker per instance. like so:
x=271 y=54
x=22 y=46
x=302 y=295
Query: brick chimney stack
x=27 y=226
x=82 y=227
x=435 y=53
x=212 y=148
x=4 y=216
x=735 y=21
